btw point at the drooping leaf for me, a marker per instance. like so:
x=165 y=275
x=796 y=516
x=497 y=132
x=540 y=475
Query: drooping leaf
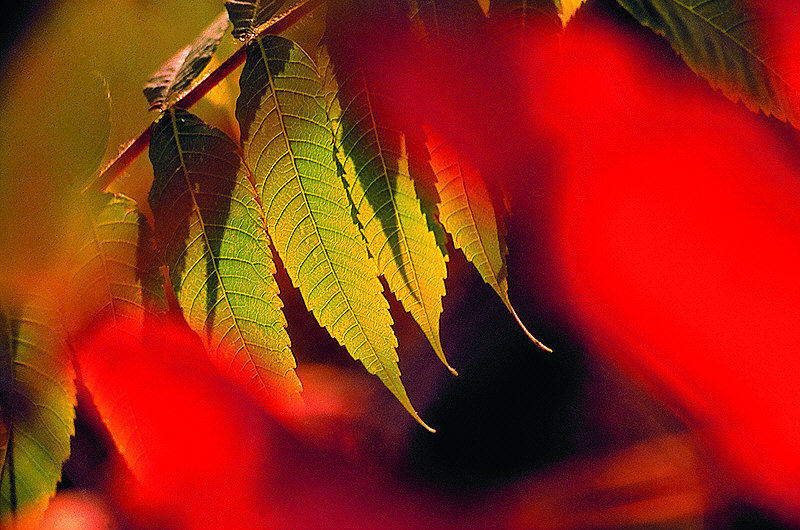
x=116 y=281
x=469 y=216
x=210 y=226
x=372 y=149
x=246 y=15
x=37 y=406
x=181 y=69
x=746 y=48
x=289 y=148
x=521 y=25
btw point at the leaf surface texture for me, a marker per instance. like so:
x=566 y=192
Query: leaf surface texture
x=288 y=145
x=210 y=226
x=521 y=25
x=470 y=217
x=37 y=405
x=373 y=152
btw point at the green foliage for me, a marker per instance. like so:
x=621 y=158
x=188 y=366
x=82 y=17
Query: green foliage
x=37 y=404
x=373 y=155
x=734 y=44
x=325 y=175
x=210 y=227
x=289 y=148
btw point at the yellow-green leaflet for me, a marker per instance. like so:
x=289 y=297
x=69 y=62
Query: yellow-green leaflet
x=37 y=406
x=210 y=227
x=468 y=214
x=375 y=159
x=289 y=147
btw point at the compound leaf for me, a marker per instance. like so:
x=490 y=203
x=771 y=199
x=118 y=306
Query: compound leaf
x=37 y=406
x=289 y=147
x=210 y=226
x=469 y=216
x=181 y=69
x=747 y=49
x=374 y=154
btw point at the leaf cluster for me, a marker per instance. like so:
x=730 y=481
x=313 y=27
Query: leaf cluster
x=327 y=180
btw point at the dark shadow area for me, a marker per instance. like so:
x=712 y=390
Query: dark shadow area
x=196 y=170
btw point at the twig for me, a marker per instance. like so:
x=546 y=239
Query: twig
x=136 y=146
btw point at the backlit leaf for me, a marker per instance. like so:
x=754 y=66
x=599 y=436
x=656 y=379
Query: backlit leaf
x=210 y=226
x=37 y=406
x=289 y=147
x=469 y=216
x=373 y=151
x=181 y=69
x=747 y=49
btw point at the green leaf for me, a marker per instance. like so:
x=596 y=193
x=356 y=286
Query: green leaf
x=468 y=214
x=738 y=46
x=374 y=154
x=247 y=15
x=289 y=147
x=181 y=69
x=116 y=280
x=210 y=226
x=521 y=25
x=37 y=406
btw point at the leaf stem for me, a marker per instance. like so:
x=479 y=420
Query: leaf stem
x=135 y=147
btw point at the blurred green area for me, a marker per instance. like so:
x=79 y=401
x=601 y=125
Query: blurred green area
x=54 y=114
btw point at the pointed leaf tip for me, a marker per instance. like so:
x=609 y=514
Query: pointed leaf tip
x=288 y=146
x=525 y=329
x=422 y=422
x=376 y=155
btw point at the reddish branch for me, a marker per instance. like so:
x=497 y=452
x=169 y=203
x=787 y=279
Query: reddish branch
x=135 y=147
